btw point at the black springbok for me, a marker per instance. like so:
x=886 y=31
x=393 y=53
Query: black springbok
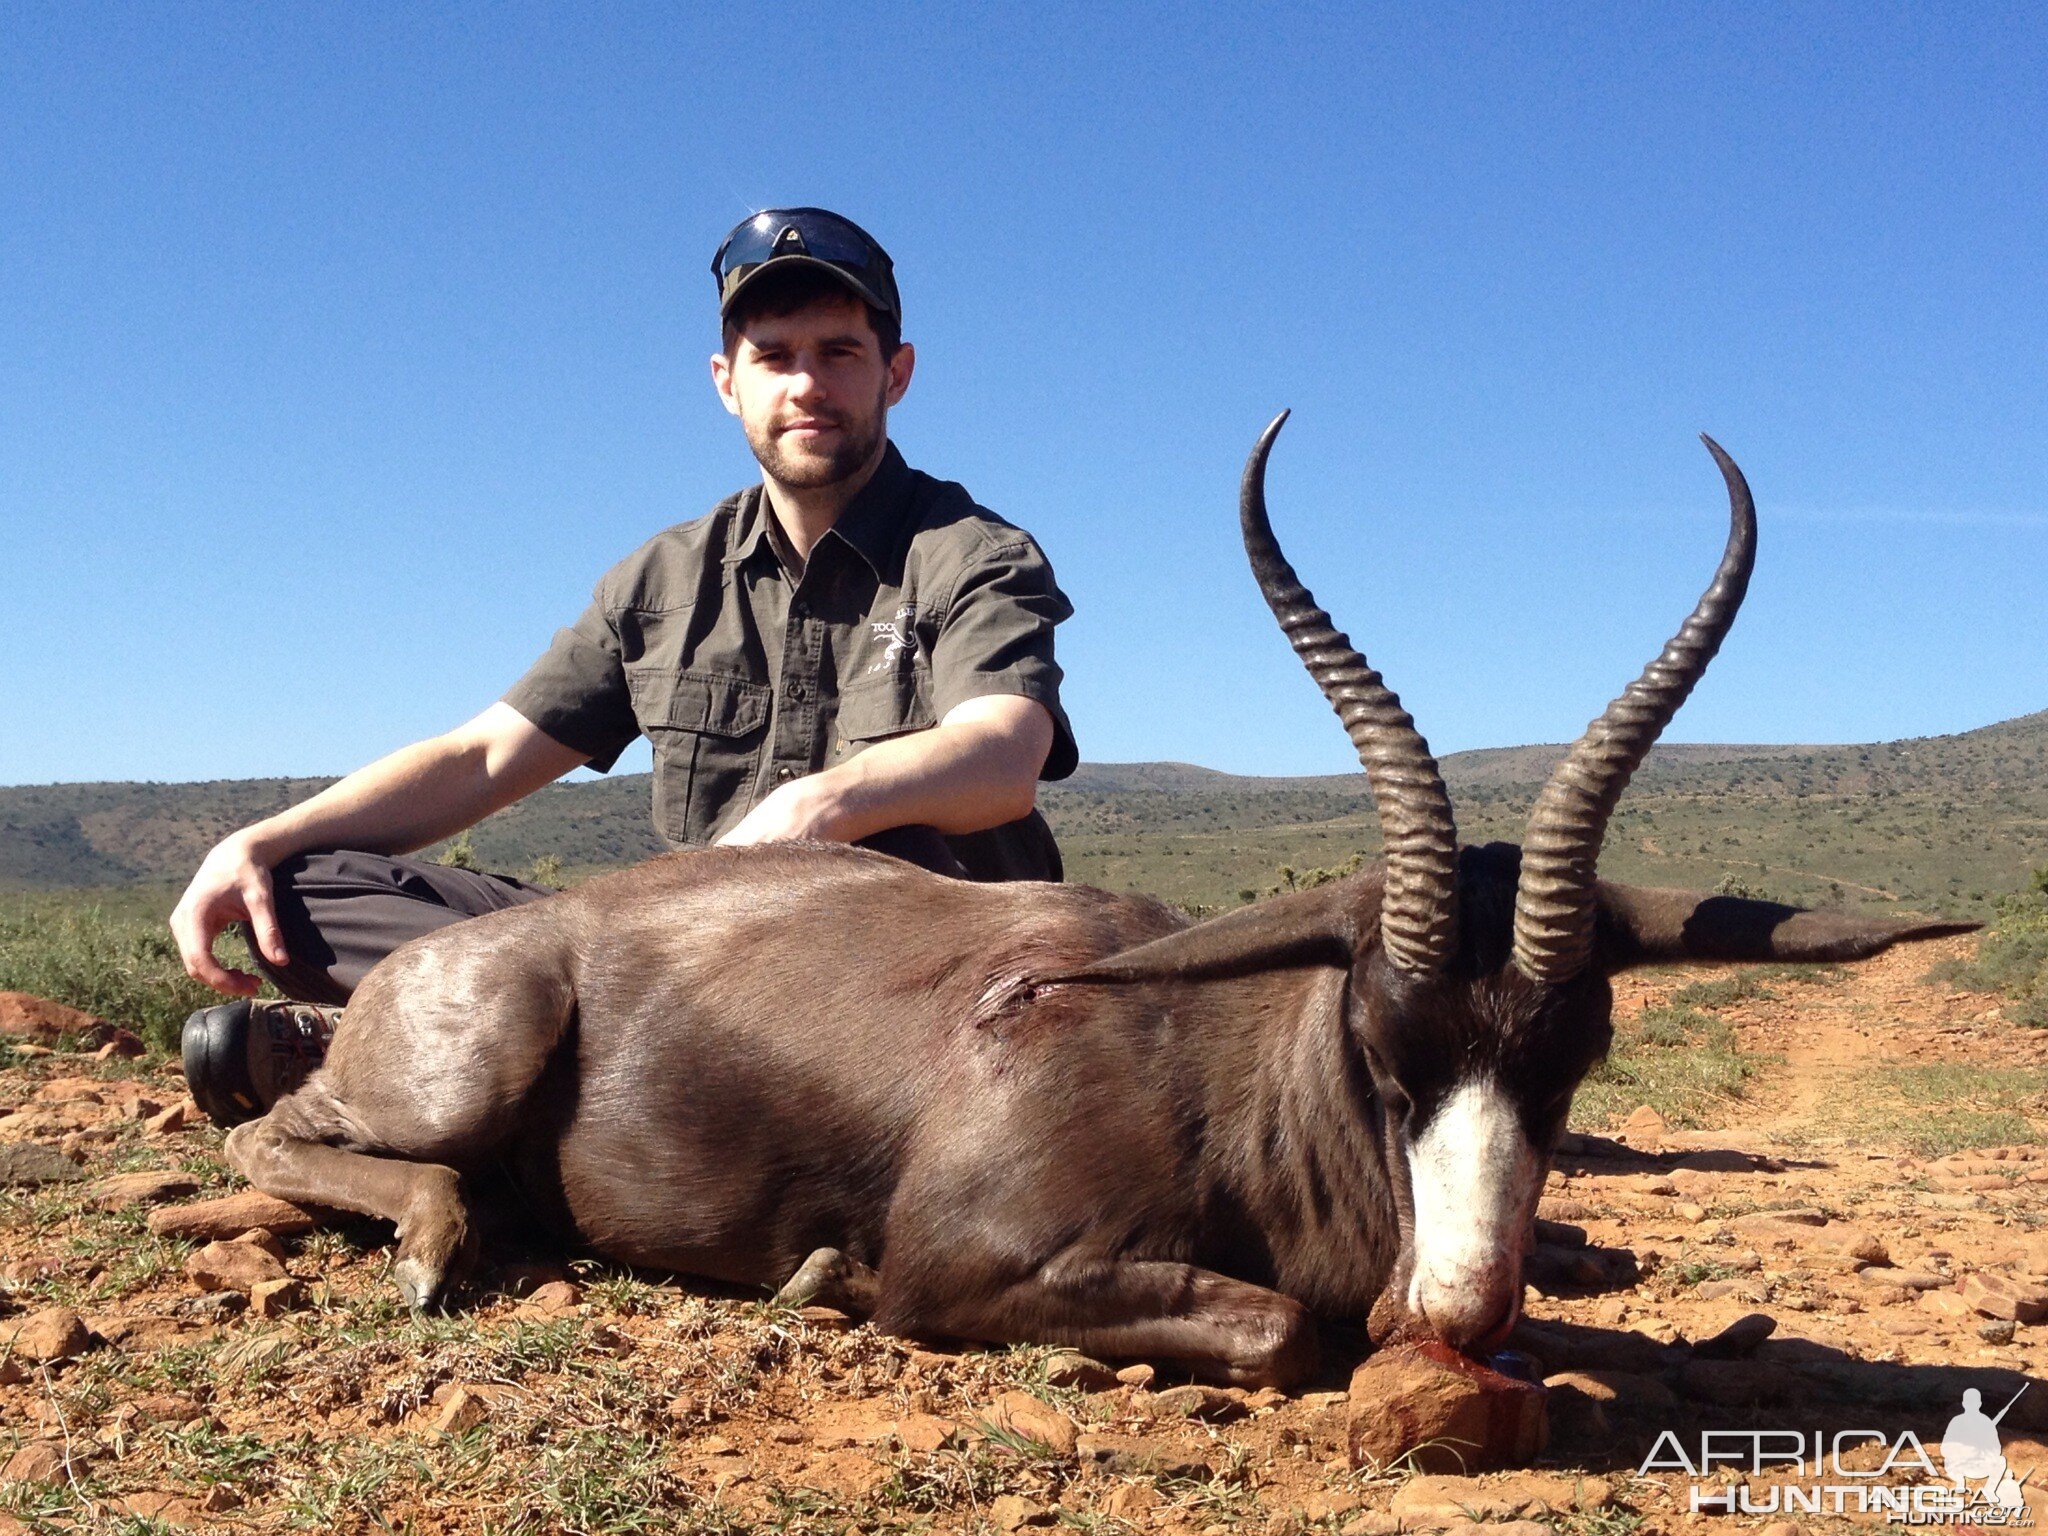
x=1039 y=1112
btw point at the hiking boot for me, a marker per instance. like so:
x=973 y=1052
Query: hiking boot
x=242 y=1057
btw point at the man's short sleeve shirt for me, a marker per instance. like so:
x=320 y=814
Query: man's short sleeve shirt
x=743 y=679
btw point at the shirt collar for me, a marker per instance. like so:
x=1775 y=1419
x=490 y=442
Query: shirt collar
x=871 y=523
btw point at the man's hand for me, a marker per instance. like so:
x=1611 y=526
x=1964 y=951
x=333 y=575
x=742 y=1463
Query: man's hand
x=233 y=885
x=802 y=808
x=976 y=768
x=415 y=796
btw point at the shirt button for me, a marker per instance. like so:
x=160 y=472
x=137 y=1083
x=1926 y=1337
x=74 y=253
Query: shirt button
x=799 y=692
x=785 y=773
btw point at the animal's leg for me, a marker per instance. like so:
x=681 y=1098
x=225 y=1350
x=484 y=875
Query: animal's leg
x=829 y=1278
x=423 y=1199
x=1221 y=1329
x=433 y=1066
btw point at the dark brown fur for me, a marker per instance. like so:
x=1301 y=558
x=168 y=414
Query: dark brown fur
x=724 y=1061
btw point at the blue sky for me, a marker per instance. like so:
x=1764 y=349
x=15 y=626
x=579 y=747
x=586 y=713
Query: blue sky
x=342 y=347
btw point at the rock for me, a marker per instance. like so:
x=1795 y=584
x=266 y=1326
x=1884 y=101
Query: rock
x=232 y=1216
x=1139 y=1376
x=24 y=1016
x=122 y=1044
x=1579 y=1419
x=71 y=1090
x=37 y=1462
x=924 y=1433
x=1803 y=1216
x=1998 y=1331
x=29 y=1164
x=54 y=1333
x=232 y=1267
x=1441 y=1411
x=524 y=1277
x=1562 y=1209
x=1949 y=1304
x=174 y=1118
x=1072 y=1369
x=1904 y=1279
x=1211 y=1405
x=1135 y=1456
x=1742 y=1290
x=264 y=1238
x=166 y=1408
x=1013 y=1512
x=1645 y=1127
x=464 y=1408
x=2001 y=1296
x=554 y=1298
x=274 y=1298
x=1441 y=1499
x=125 y=1191
x=1021 y=1414
x=1739 y=1340
x=1130 y=1502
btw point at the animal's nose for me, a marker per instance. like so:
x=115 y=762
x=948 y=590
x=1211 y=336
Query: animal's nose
x=1477 y=1310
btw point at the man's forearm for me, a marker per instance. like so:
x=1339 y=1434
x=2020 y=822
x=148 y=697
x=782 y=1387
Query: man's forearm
x=419 y=794
x=977 y=768
x=959 y=778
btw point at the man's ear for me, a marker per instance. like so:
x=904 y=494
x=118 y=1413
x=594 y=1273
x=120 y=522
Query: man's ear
x=721 y=380
x=1640 y=925
x=901 y=366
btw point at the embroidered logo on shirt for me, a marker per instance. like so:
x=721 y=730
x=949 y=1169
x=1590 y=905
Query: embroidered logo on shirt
x=901 y=640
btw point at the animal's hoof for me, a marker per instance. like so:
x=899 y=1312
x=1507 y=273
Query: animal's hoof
x=821 y=1274
x=419 y=1283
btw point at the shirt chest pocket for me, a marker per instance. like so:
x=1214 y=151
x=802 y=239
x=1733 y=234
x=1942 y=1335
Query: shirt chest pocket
x=708 y=732
x=875 y=708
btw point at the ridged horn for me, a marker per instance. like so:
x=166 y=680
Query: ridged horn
x=1419 y=911
x=1554 y=903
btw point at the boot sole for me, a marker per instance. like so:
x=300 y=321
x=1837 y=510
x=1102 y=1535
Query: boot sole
x=215 y=1048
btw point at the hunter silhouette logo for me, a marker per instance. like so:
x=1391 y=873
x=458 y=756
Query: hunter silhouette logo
x=1971 y=1452
x=1797 y=1472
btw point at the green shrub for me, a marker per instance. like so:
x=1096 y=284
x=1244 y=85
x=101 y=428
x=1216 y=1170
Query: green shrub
x=2012 y=957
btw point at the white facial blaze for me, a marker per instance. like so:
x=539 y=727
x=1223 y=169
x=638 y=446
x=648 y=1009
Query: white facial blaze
x=1475 y=1179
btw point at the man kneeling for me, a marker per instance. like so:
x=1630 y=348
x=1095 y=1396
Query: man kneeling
x=850 y=651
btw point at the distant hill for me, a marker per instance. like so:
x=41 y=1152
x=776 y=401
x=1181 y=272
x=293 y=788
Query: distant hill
x=1940 y=822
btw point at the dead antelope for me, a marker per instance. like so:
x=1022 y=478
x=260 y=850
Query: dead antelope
x=1038 y=1112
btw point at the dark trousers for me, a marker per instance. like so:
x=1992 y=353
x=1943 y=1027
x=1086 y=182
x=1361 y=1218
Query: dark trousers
x=342 y=912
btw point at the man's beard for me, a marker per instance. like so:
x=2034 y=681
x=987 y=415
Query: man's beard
x=858 y=440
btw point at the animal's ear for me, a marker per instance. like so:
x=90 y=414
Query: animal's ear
x=1326 y=925
x=1641 y=926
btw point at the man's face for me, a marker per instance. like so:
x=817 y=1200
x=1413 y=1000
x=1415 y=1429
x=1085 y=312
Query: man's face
x=812 y=391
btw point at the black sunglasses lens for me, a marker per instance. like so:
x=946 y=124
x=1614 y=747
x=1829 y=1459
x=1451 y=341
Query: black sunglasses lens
x=824 y=237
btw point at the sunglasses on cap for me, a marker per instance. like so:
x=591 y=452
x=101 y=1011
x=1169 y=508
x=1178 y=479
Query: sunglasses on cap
x=807 y=237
